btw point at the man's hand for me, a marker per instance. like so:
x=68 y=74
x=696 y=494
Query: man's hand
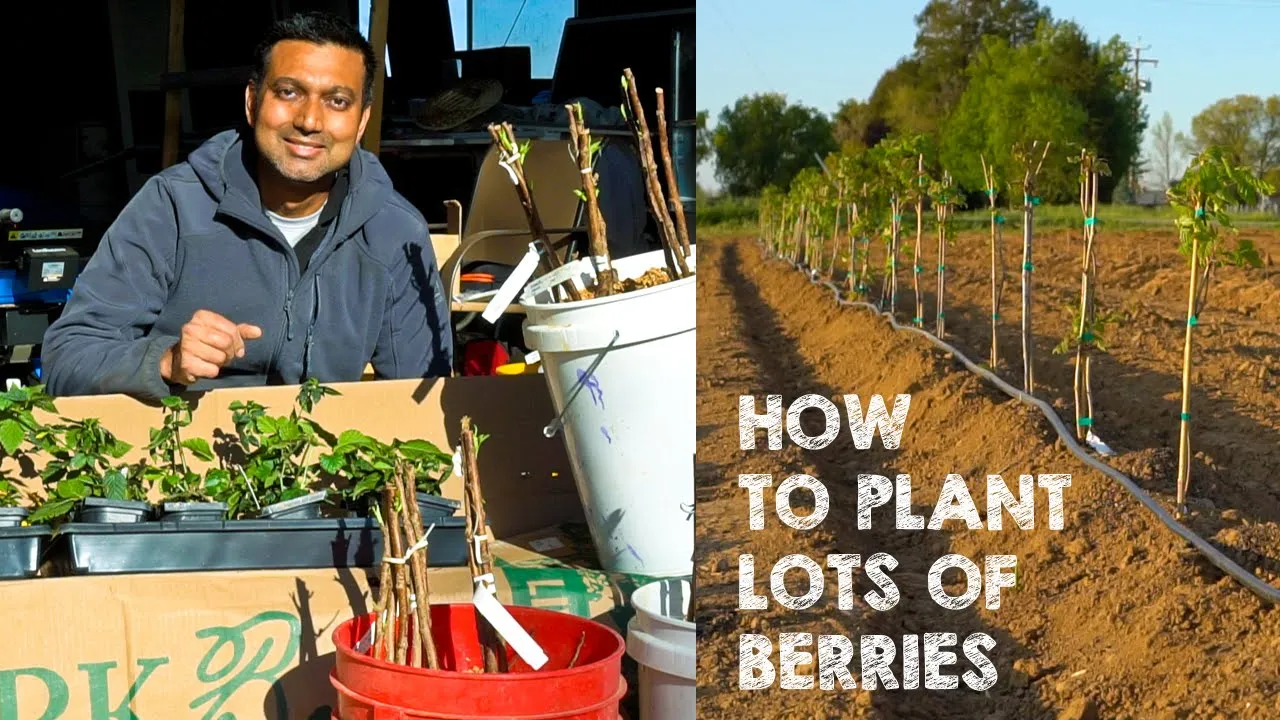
x=208 y=343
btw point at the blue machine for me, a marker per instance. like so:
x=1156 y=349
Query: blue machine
x=38 y=267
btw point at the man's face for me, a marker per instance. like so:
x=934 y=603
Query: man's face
x=307 y=116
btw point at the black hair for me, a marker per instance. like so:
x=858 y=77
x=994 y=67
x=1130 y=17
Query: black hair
x=322 y=29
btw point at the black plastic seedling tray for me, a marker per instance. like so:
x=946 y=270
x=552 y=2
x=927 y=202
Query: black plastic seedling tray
x=204 y=545
x=21 y=548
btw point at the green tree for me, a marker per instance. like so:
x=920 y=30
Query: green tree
x=703 y=148
x=950 y=36
x=1165 y=154
x=764 y=140
x=1247 y=130
x=1059 y=87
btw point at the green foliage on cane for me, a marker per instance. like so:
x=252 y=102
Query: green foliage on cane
x=368 y=465
x=1211 y=186
x=1092 y=334
x=277 y=450
x=166 y=452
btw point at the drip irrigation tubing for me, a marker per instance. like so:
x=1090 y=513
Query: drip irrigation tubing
x=1254 y=584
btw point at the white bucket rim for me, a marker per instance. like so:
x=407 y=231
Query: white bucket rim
x=662 y=655
x=606 y=299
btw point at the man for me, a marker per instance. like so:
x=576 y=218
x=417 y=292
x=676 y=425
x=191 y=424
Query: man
x=275 y=253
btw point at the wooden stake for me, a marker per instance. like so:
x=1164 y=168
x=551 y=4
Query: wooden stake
x=916 y=267
x=385 y=604
x=504 y=137
x=656 y=202
x=672 y=186
x=425 y=647
x=495 y=651
x=997 y=254
x=173 y=97
x=399 y=617
x=595 y=220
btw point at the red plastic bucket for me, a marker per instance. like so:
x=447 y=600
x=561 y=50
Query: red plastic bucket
x=592 y=688
x=353 y=706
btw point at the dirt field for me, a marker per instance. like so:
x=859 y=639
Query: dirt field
x=1112 y=617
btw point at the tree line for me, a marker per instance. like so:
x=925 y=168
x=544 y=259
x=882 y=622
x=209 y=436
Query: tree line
x=983 y=76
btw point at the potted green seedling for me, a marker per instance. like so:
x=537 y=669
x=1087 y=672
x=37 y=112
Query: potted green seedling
x=274 y=480
x=82 y=475
x=184 y=490
x=1211 y=185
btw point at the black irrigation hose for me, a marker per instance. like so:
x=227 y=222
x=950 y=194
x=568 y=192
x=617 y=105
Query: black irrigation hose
x=1255 y=584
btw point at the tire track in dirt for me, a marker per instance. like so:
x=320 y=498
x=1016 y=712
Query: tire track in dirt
x=1111 y=615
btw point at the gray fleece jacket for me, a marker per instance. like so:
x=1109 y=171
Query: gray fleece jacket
x=195 y=236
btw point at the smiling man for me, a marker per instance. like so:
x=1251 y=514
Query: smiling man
x=275 y=253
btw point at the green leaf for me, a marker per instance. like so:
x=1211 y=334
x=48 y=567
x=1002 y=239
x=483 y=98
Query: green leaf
x=200 y=448
x=11 y=436
x=173 y=402
x=72 y=489
x=266 y=424
x=216 y=480
x=332 y=463
x=79 y=460
x=422 y=450
x=117 y=487
x=119 y=449
x=353 y=437
x=51 y=510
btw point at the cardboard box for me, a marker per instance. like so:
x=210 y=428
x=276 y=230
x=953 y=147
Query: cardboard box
x=222 y=645
x=257 y=644
x=526 y=476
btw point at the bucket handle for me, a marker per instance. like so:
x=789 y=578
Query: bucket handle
x=558 y=424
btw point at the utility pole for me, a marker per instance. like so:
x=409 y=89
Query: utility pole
x=1139 y=87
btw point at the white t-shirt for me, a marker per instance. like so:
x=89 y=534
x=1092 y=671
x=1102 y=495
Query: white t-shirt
x=294 y=228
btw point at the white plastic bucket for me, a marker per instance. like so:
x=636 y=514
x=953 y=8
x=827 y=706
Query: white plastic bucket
x=630 y=431
x=665 y=647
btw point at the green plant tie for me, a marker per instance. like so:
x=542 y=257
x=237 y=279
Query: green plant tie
x=1087 y=337
x=941 y=268
x=999 y=219
x=919 y=269
x=1185 y=417
x=1028 y=267
x=897 y=218
x=991 y=192
x=1090 y=221
x=1193 y=321
x=941 y=315
x=1084 y=422
x=995 y=316
x=1031 y=199
x=1199 y=212
x=917 y=320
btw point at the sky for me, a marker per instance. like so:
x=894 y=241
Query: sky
x=821 y=52
x=538 y=24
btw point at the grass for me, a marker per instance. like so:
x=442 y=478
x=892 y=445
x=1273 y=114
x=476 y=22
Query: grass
x=725 y=215
x=1116 y=217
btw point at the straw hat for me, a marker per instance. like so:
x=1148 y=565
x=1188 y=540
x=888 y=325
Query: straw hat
x=464 y=101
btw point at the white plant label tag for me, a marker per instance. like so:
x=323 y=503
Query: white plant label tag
x=519 y=640
x=366 y=642
x=457 y=461
x=519 y=276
